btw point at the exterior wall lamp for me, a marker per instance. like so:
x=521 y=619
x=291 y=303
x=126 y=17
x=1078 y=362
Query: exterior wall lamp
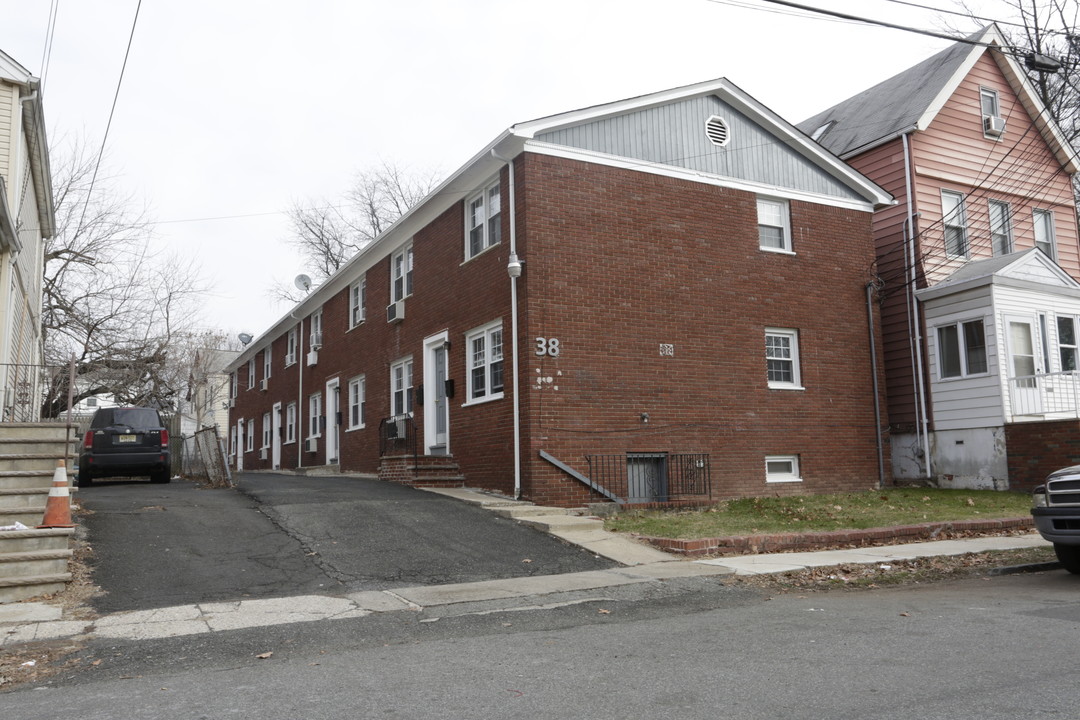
x=513 y=268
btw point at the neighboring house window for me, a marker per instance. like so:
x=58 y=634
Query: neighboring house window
x=782 y=468
x=315 y=341
x=266 y=363
x=251 y=373
x=357 y=301
x=782 y=358
x=290 y=348
x=232 y=384
x=1067 y=348
x=483 y=224
x=485 y=362
x=266 y=430
x=357 y=400
x=1044 y=232
x=290 y=422
x=988 y=97
x=774 y=224
x=315 y=415
x=251 y=434
x=401 y=266
x=401 y=388
x=961 y=349
x=1000 y=228
x=953 y=218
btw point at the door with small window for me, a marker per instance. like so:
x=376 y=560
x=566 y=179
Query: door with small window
x=1024 y=367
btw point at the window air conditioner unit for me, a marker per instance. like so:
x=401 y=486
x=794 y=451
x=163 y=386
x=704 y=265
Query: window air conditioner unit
x=264 y=383
x=395 y=312
x=262 y=453
x=312 y=358
x=290 y=358
x=312 y=444
x=994 y=126
x=316 y=340
x=232 y=402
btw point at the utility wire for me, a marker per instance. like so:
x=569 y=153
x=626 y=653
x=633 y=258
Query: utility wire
x=50 y=34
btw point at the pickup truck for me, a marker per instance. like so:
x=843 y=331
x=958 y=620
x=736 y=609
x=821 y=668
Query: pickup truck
x=1056 y=511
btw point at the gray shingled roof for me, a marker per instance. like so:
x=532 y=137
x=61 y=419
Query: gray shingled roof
x=889 y=107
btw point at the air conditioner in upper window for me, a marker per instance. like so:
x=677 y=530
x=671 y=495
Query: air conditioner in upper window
x=993 y=126
x=264 y=383
x=395 y=312
x=232 y=402
x=316 y=340
x=313 y=358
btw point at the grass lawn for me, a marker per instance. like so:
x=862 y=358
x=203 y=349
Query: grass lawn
x=807 y=513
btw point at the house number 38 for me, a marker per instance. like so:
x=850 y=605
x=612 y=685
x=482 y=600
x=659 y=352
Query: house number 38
x=547 y=346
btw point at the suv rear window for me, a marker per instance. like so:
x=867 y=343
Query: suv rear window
x=129 y=417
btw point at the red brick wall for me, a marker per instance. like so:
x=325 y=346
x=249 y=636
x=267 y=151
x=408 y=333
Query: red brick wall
x=1036 y=449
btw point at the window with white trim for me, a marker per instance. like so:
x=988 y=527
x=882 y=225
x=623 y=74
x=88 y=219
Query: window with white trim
x=1067 y=345
x=290 y=422
x=483 y=220
x=357 y=402
x=266 y=428
x=1000 y=227
x=315 y=341
x=774 y=224
x=290 y=348
x=484 y=349
x=988 y=100
x=1044 y=232
x=954 y=221
x=233 y=382
x=250 y=434
x=315 y=415
x=267 y=363
x=782 y=358
x=782 y=468
x=401 y=267
x=961 y=349
x=357 y=302
x=251 y=373
x=401 y=387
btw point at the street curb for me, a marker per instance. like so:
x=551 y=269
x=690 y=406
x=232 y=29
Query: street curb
x=1028 y=568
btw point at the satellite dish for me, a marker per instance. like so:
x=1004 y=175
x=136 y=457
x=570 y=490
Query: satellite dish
x=302 y=282
x=244 y=338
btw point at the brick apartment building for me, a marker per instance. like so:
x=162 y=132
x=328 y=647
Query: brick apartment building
x=658 y=299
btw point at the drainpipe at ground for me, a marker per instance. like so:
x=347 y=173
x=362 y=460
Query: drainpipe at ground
x=513 y=269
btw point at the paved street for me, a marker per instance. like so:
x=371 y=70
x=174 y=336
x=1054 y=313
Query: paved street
x=282 y=535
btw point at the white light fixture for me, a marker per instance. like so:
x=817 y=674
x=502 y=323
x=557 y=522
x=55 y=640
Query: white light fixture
x=513 y=268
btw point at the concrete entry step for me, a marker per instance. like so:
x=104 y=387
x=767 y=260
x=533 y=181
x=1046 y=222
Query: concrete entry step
x=16 y=541
x=23 y=497
x=29 y=516
x=34 y=563
x=15 y=589
x=521 y=511
x=552 y=523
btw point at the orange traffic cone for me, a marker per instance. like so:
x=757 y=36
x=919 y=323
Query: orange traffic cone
x=58 y=507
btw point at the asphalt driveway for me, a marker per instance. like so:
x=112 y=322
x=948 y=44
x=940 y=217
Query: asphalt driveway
x=281 y=535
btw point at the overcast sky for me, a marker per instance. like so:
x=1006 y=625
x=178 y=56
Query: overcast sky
x=231 y=110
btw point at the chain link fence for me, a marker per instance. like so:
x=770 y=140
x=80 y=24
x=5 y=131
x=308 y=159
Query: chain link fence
x=203 y=459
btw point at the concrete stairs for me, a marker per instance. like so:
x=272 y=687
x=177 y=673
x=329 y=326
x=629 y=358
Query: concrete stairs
x=422 y=470
x=33 y=561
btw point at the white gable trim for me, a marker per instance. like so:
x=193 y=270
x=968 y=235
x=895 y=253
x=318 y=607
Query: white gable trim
x=618 y=161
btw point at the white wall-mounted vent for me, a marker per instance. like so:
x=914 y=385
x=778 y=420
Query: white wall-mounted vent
x=993 y=126
x=717 y=130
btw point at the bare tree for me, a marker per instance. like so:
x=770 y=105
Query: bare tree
x=109 y=301
x=328 y=234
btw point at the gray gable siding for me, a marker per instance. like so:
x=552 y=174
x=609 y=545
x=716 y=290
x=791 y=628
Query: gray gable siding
x=674 y=134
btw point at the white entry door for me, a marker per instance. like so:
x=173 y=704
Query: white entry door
x=275 y=440
x=1023 y=366
x=333 y=420
x=240 y=444
x=436 y=400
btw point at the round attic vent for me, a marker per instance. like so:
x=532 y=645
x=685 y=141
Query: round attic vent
x=717 y=130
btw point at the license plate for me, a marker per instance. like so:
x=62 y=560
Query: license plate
x=125 y=438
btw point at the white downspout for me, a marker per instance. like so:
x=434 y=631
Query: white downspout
x=513 y=269
x=922 y=425
x=301 y=443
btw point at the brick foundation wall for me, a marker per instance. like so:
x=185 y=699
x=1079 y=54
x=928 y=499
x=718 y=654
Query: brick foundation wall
x=1036 y=449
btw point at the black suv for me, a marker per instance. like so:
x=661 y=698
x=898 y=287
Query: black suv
x=125 y=441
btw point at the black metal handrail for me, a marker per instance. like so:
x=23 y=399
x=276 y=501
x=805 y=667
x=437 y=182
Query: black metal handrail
x=648 y=477
x=397 y=436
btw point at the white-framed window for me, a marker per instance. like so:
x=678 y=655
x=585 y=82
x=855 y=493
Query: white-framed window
x=1044 y=232
x=782 y=358
x=290 y=422
x=401 y=267
x=774 y=224
x=357 y=302
x=961 y=349
x=267 y=363
x=1067 y=345
x=988 y=99
x=315 y=341
x=232 y=441
x=267 y=428
x=484 y=359
x=357 y=402
x=251 y=434
x=954 y=221
x=290 y=348
x=315 y=415
x=1000 y=227
x=401 y=387
x=233 y=382
x=251 y=373
x=483 y=220
x=782 y=468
